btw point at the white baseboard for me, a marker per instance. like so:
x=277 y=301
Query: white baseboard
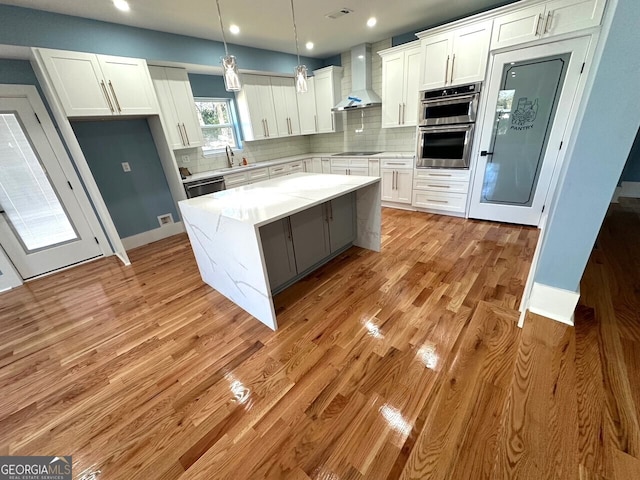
x=627 y=189
x=554 y=303
x=151 y=236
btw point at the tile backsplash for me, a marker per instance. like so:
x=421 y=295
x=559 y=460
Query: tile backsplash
x=362 y=131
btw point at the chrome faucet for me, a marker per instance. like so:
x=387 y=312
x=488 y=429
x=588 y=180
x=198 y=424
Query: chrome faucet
x=229 y=153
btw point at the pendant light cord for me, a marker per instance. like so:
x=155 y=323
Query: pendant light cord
x=295 y=31
x=226 y=52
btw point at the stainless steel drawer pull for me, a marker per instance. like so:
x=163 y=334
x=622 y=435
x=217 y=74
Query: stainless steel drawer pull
x=437 y=201
x=439 y=186
x=440 y=174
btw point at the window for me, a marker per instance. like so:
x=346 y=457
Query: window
x=216 y=122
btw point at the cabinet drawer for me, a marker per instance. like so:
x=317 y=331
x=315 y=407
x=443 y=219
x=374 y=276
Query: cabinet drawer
x=452 y=202
x=277 y=170
x=395 y=163
x=295 y=167
x=358 y=162
x=443 y=174
x=235 y=180
x=443 y=186
x=339 y=162
x=260 y=174
x=335 y=170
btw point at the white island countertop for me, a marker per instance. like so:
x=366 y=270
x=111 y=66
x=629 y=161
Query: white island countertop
x=224 y=229
x=270 y=200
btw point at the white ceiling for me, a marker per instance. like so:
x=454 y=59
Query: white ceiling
x=267 y=24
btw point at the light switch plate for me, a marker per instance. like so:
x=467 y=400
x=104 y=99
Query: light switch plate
x=186 y=159
x=126 y=167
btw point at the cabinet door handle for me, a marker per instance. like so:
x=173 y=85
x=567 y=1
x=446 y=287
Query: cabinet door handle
x=547 y=25
x=315 y=121
x=266 y=122
x=181 y=136
x=115 y=97
x=332 y=124
x=290 y=233
x=538 y=25
x=446 y=70
x=330 y=211
x=264 y=129
x=453 y=64
x=186 y=135
x=399 y=114
x=106 y=94
x=404 y=110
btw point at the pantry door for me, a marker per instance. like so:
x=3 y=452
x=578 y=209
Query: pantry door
x=530 y=96
x=42 y=226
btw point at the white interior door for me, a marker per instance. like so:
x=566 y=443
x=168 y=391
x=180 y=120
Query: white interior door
x=530 y=95
x=42 y=227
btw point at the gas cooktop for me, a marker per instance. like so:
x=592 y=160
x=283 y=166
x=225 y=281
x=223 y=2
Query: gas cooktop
x=355 y=154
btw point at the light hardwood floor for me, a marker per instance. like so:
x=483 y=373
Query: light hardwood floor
x=403 y=364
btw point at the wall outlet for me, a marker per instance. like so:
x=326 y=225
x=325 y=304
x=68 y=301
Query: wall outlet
x=186 y=159
x=126 y=167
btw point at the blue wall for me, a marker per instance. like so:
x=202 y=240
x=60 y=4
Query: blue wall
x=134 y=199
x=36 y=28
x=631 y=172
x=603 y=141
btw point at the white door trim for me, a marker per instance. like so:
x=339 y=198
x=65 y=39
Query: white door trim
x=31 y=94
x=80 y=161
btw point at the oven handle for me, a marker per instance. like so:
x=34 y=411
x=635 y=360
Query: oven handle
x=450 y=100
x=201 y=183
x=447 y=128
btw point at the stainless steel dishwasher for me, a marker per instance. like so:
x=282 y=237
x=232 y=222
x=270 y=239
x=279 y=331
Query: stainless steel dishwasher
x=204 y=186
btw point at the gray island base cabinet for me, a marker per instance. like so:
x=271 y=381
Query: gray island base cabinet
x=297 y=245
x=252 y=241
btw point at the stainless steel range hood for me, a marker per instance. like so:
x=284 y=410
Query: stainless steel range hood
x=361 y=96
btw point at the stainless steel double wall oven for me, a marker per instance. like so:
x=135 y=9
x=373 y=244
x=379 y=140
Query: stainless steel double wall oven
x=446 y=126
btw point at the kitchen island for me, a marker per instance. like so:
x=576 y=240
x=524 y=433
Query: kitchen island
x=253 y=241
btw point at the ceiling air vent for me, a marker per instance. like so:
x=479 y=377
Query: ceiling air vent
x=339 y=13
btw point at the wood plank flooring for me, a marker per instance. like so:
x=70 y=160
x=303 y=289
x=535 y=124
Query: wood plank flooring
x=402 y=365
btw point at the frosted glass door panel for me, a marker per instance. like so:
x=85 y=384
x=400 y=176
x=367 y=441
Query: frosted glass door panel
x=527 y=103
x=29 y=202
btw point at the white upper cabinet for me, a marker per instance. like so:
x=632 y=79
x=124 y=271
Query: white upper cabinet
x=257 y=111
x=328 y=93
x=455 y=57
x=286 y=106
x=545 y=20
x=307 y=109
x=99 y=85
x=177 y=106
x=400 y=85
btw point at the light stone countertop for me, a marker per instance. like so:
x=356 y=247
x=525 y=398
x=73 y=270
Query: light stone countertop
x=269 y=200
x=280 y=161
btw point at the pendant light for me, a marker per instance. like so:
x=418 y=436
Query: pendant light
x=300 y=71
x=229 y=65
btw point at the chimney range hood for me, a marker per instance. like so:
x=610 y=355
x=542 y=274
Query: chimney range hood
x=361 y=96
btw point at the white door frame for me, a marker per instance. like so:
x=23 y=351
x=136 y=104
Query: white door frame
x=31 y=94
x=80 y=162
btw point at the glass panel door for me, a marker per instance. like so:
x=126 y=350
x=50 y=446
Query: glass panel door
x=30 y=204
x=524 y=114
x=531 y=97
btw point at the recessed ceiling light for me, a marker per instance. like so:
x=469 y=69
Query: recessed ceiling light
x=372 y=22
x=309 y=45
x=122 y=5
x=235 y=29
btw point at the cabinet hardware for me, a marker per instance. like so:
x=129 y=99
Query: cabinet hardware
x=538 y=25
x=439 y=186
x=404 y=111
x=315 y=121
x=330 y=211
x=548 y=23
x=186 y=135
x=290 y=233
x=484 y=153
x=106 y=94
x=395 y=163
x=266 y=122
x=437 y=201
x=440 y=174
x=115 y=97
x=332 y=125
x=399 y=114
x=181 y=135
x=264 y=129
x=453 y=64
x=446 y=70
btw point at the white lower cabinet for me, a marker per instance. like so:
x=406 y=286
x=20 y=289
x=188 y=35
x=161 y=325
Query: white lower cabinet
x=245 y=178
x=442 y=190
x=397 y=178
x=325 y=165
